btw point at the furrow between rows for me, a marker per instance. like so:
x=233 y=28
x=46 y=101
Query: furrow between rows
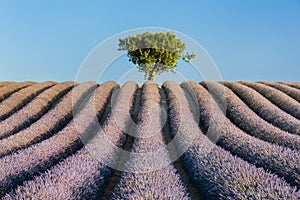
x=264 y=108
x=5 y=83
x=148 y=172
x=19 y=99
x=213 y=170
x=174 y=154
x=292 y=84
x=52 y=122
x=247 y=120
x=278 y=98
x=121 y=150
x=35 y=109
x=279 y=160
x=292 y=92
x=84 y=175
x=26 y=163
x=8 y=90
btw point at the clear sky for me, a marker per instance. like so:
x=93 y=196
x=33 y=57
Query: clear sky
x=248 y=40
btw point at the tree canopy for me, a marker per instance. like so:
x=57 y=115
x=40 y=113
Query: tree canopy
x=155 y=53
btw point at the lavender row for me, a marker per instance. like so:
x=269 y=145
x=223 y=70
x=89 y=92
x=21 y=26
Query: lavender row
x=84 y=175
x=21 y=98
x=34 y=110
x=279 y=160
x=217 y=173
x=247 y=120
x=264 y=108
x=50 y=123
x=292 y=84
x=7 y=90
x=26 y=163
x=292 y=92
x=80 y=176
x=148 y=172
x=5 y=83
x=278 y=98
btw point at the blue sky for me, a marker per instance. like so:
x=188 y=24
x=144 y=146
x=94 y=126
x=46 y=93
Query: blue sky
x=247 y=40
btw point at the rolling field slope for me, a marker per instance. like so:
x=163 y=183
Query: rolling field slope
x=207 y=140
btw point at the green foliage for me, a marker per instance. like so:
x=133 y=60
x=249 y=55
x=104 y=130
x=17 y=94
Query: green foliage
x=155 y=53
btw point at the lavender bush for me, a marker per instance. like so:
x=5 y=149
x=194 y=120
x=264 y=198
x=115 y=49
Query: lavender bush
x=292 y=92
x=84 y=175
x=264 y=108
x=278 y=98
x=216 y=173
x=7 y=90
x=26 y=163
x=78 y=152
x=5 y=83
x=279 y=160
x=80 y=176
x=292 y=84
x=247 y=120
x=34 y=110
x=149 y=173
x=49 y=124
x=21 y=98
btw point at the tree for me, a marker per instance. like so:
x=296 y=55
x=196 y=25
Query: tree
x=154 y=53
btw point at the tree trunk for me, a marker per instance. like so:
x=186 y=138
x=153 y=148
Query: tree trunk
x=153 y=72
x=152 y=76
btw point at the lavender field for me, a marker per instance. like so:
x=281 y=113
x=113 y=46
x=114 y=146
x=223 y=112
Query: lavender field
x=207 y=140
